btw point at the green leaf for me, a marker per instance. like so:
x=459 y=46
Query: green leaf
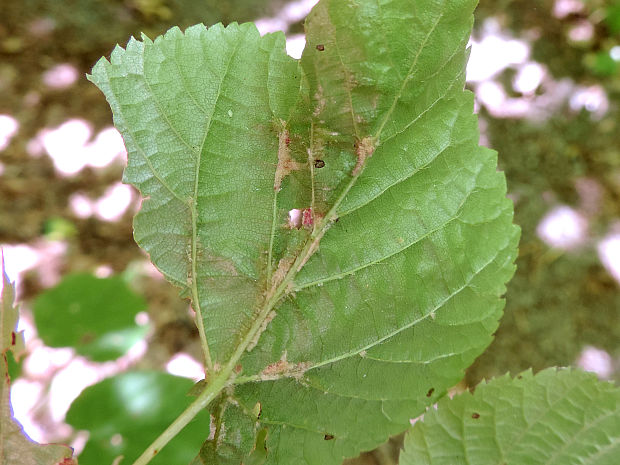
x=15 y=446
x=96 y=316
x=122 y=415
x=227 y=445
x=556 y=417
x=344 y=325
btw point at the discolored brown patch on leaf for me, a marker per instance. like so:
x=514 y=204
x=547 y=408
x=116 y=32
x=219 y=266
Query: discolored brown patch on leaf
x=282 y=368
x=363 y=149
x=284 y=265
x=270 y=316
x=285 y=163
x=313 y=248
x=222 y=265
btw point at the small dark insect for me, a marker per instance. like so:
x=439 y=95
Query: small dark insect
x=319 y=163
x=430 y=392
x=475 y=415
x=328 y=437
x=320 y=47
x=13 y=338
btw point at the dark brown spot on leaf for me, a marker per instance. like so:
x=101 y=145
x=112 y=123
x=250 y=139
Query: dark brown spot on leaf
x=285 y=163
x=430 y=392
x=475 y=415
x=319 y=163
x=328 y=437
x=320 y=47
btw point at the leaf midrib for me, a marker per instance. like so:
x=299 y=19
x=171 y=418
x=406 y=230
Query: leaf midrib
x=194 y=219
x=319 y=231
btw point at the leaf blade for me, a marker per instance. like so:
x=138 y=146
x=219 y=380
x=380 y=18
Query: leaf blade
x=405 y=232
x=553 y=417
x=209 y=233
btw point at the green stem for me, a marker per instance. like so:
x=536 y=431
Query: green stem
x=205 y=398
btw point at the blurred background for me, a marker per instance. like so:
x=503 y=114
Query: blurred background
x=546 y=74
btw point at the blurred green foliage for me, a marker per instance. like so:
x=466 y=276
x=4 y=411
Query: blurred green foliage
x=126 y=412
x=551 y=36
x=559 y=301
x=95 y=316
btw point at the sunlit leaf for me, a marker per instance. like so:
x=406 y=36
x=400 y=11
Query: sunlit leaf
x=560 y=417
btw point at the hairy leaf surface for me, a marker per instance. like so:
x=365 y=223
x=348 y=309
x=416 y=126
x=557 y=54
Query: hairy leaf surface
x=343 y=237
x=556 y=417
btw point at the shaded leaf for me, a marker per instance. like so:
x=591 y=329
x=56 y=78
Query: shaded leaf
x=96 y=316
x=388 y=285
x=556 y=417
x=124 y=413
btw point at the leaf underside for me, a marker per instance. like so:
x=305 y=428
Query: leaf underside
x=556 y=417
x=389 y=285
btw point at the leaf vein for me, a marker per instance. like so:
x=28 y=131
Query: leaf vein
x=409 y=75
x=139 y=149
